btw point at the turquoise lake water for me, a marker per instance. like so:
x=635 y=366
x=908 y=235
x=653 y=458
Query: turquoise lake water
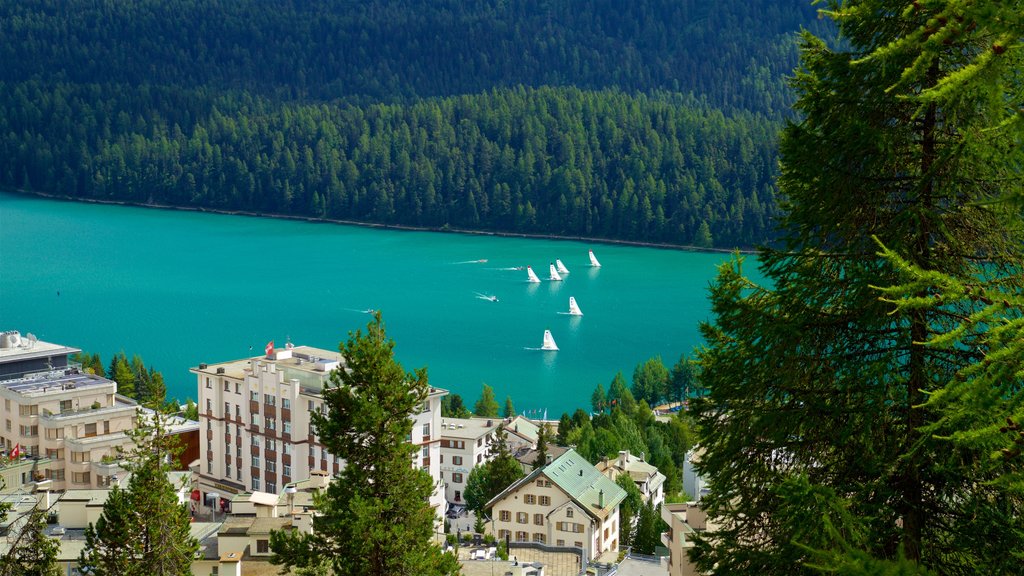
x=180 y=288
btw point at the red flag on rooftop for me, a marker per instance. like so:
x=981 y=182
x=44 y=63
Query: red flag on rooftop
x=270 y=348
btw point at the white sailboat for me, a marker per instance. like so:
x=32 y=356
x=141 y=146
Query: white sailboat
x=593 y=260
x=549 y=341
x=574 y=308
x=531 y=276
x=561 y=267
x=554 y=274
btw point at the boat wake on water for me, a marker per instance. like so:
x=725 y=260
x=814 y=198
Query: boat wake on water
x=488 y=297
x=481 y=261
x=363 y=311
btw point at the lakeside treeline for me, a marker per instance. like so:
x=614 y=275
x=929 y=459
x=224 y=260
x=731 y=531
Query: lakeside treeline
x=549 y=160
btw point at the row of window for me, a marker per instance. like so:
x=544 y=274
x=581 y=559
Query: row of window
x=532 y=499
x=538 y=537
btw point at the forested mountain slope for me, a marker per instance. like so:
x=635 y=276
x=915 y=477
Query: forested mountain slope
x=644 y=120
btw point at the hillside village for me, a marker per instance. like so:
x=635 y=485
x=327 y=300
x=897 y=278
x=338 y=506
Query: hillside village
x=253 y=463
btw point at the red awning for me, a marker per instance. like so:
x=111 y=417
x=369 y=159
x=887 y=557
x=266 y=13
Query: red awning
x=195 y=495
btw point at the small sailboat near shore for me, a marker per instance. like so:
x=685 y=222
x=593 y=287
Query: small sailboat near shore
x=593 y=260
x=531 y=276
x=549 y=341
x=561 y=267
x=554 y=277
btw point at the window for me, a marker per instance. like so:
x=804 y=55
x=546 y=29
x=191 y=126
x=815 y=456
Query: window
x=426 y=451
x=311 y=405
x=209 y=467
x=540 y=483
x=227 y=470
x=254 y=419
x=270 y=399
x=55 y=474
x=227 y=386
x=568 y=512
x=254 y=396
x=271 y=467
x=90 y=430
x=263 y=546
x=238 y=412
x=529 y=499
x=539 y=538
x=55 y=453
x=209 y=405
x=286 y=470
x=208 y=382
x=545 y=501
x=255 y=440
x=286 y=448
x=522 y=517
x=457 y=477
x=503 y=534
x=478 y=457
x=287 y=427
x=34 y=430
x=238 y=474
x=271 y=423
x=569 y=527
x=522 y=536
x=559 y=542
x=426 y=429
x=505 y=516
x=227 y=409
x=256 y=461
x=578 y=544
x=8 y=425
x=238 y=388
x=80 y=477
x=271 y=487
x=79 y=457
x=65 y=406
x=538 y=519
x=106 y=426
x=255 y=483
x=286 y=404
x=457 y=460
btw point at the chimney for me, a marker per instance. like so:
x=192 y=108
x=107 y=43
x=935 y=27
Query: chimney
x=600 y=499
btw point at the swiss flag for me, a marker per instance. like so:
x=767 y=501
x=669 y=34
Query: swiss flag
x=270 y=348
x=15 y=452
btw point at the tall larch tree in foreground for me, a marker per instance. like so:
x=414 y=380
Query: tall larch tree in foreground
x=823 y=440
x=375 y=517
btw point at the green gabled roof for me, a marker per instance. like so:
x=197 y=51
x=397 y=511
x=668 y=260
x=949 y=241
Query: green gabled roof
x=584 y=484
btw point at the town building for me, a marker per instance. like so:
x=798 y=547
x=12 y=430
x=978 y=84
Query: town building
x=566 y=503
x=256 y=417
x=647 y=478
x=684 y=520
x=70 y=424
x=465 y=443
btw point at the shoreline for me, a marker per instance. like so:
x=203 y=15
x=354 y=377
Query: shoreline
x=399 y=227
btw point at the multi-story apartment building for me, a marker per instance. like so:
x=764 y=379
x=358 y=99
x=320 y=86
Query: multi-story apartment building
x=465 y=443
x=566 y=503
x=685 y=520
x=69 y=422
x=255 y=418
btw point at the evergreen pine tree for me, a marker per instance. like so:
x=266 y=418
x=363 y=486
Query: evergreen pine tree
x=510 y=410
x=143 y=529
x=599 y=400
x=486 y=405
x=29 y=551
x=543 y=437
x=829 y=450
x=375 y=517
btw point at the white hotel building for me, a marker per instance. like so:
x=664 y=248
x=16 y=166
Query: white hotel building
x=254 y=421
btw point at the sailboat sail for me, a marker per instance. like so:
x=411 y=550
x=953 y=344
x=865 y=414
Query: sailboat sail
x=549 y=341
x=574 y=308
x=531 y=276
x=561 y=267
x=554 y=274
x=593 y=260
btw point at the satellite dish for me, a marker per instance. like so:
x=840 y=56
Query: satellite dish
x=31 y=339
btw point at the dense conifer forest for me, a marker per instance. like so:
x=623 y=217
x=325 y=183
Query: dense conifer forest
x=648 y=120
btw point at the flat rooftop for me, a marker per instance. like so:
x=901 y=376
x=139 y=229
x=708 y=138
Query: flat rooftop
x=71 y=378
x=27 y=347
x=468 y=428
